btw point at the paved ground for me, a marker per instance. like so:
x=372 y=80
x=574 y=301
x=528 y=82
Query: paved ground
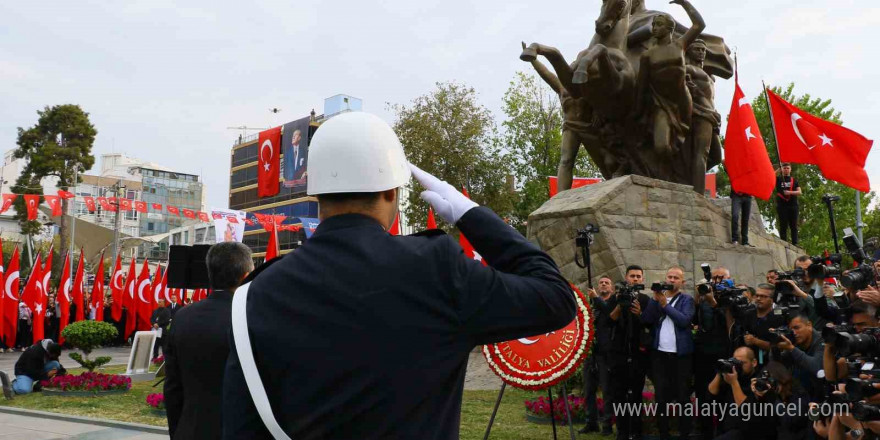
x=19 y=427
x=119 y=355
x=479 y=376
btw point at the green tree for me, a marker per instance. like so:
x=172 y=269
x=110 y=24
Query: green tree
x=86 y=336
x=60 y=146
x=815 y=230
x=449 y=134
x=533 y=135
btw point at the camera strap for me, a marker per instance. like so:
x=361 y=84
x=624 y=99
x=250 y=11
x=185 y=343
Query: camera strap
x=242 y=341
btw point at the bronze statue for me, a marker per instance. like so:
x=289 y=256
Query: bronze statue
x=703 y=141
x=643 y=126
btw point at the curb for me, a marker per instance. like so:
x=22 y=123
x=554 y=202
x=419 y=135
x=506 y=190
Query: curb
x=88 y=420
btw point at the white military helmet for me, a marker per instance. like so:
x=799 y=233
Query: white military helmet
x=355 y=153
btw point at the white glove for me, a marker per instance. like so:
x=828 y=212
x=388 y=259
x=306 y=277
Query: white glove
x=448 y=203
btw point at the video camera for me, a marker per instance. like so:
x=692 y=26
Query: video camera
x=727 y=295
x=863 y=275
x=775 y=336
x=626 y=294
x=825 y=267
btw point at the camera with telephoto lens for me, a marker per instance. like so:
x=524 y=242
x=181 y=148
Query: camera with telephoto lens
x=626 y=294
x=765 y=382
x=865 y=412
x=860 y=389
x=784 y=288
x=727 y=366
x=846 y=343
x=863 y=275
x=785 y=312
x=825 y=267
x=775 y=336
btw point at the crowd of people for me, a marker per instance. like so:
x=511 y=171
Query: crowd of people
x=786 y=340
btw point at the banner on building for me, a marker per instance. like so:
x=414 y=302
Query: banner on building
x=226 y=229
x=295 y=154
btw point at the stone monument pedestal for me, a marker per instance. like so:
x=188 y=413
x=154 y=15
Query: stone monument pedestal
x=654 y=224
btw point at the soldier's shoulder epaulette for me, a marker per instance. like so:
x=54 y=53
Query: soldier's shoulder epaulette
x=428 y=233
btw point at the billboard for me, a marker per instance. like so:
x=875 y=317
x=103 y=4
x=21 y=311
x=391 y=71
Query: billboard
x=295 y=154
x=228 y=224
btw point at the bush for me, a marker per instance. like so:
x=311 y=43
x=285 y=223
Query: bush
x=86 y=336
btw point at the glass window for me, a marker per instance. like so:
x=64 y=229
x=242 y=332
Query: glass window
x=150 y=226
x=200 y=235
x=186 y=237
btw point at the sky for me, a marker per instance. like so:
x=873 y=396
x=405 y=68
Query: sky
x=163 y=81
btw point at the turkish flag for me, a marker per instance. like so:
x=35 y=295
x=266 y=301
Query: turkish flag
x=105 y=204
x=203 y=217
x=117 y=290
x=46 y=276
x=216 y=215
x=157 y=206
x=173 y=210
x=168 y=292
x=232 y=219
x=142 y=300
x=466 y=245
x=189 y=213
x=576 y=182
x=98 y=291
x=125 y=204
x=395 y=227
x=63 y=297
x=156 y=292
x=79 y=288
x=54 y=202
x=10 y=299
x=140 y=206
x=32 y=201
x=8 y=199
x=272 y=250
x=269 y=164
x=90 y=203
x=432 y=223
x=65 y=194
x=839 y=152
x=35 y=299
x=128 y=300
x=745 y=155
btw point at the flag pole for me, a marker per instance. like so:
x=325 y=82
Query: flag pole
x=772 y=122
x=859 y=215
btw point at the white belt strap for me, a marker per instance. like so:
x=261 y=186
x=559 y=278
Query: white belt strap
x=248 y=365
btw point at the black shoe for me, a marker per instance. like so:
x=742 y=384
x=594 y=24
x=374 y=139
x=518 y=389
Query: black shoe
x=7 y=386
x=591 y=427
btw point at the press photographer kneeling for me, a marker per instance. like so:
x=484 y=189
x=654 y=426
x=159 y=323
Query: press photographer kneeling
x=732 y=387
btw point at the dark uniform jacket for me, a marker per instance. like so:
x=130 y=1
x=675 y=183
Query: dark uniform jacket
x=198 y=345
x=161 y=316
x=33 y=361
x=359 y=334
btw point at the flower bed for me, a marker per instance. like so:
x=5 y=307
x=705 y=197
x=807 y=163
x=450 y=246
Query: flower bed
x=538 y=410
x=86 y=384
x=157 y=403
x=158 y=360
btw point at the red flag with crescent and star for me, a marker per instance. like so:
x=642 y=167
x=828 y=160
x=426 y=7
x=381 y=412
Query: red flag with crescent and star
x=157 y=206
x=79 y=289
x=10 y=300
x=269 y=163
x=98 y=291
x=173 y=210
x=125 y=204
x=140 y=206
x=65 y=194
x=32 y=201
x=745 y=155
x=143 y=304
x=63 y=297
x=8 y=199
x=90 y=203
x=189 y=213
x=35 y=299
x=116 y=290
x=129 y=301
x=203 y=216
x=54 y=203
x=156 y=291
x=839 y=152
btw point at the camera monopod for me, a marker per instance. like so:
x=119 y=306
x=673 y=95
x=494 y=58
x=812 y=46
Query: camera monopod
x=582 y=241
x=829 y=200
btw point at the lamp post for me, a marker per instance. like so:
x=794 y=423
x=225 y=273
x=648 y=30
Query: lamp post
x=119 y=189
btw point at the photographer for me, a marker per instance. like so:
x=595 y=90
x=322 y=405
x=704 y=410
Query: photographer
x=764 y=322
x=670 y=312
x=628 y=352
x=596 y=371
x=731 y=386
x=805 y=353
x=776 y=386
x=862 y=316
x=789 y=293
x=772 y=276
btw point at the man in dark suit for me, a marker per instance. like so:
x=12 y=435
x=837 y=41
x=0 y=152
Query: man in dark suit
x=363 y=335
x=173 y=307
x=198 y=345
x=671 y=313
x=159 y=321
